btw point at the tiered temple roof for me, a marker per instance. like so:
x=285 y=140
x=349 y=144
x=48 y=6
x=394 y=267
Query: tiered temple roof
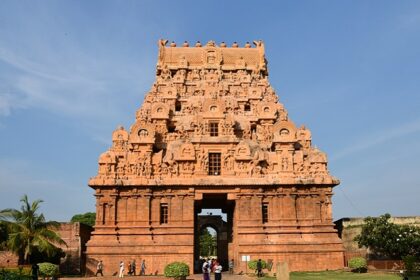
x=212 y=118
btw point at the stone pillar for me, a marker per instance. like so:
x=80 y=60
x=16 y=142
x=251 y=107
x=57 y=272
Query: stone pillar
x=154 y=210
x=113 y=206
x=256 y=208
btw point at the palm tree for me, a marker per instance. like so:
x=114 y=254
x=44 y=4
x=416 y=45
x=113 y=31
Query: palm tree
x=28 y=231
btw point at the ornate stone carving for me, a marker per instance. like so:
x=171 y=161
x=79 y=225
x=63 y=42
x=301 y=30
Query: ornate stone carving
x=211 y=124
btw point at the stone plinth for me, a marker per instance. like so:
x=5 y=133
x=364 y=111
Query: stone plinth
x=282 y=271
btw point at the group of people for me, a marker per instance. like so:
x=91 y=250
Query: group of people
x=212 y=265
x=121 y=270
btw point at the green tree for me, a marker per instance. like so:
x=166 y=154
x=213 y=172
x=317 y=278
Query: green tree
x=3 y=235
x=87 y=218
x=387 y=239
x=208 y=244
x=28 y=232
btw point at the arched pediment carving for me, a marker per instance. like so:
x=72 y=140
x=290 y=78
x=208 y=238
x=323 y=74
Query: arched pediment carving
x=186 y=152
x=160 y=111
x=267 y=111
x=142 y=133
x=243 y=151
x=169 y=92
x=284 y=131
x=213 y=108
x=120 y=134
x=254 y=92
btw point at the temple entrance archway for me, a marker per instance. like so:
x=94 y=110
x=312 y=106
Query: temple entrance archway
x=217 y=215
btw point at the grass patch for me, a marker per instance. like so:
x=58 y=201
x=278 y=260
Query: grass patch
x=342 y=275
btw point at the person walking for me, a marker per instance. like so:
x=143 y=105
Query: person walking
x=130 y=270
x=143 y=267
x=121 y=271
x=35 y=269
x=206 y=270
x=259 y=268
x=217 y=270
x=133 y=267
x=99 y=268
x=231 y=263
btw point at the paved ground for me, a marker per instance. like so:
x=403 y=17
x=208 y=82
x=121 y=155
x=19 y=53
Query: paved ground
x=225 y=276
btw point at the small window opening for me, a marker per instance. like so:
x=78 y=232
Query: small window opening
x=171 y=129
x=214 y=129
x=247 y=107
x=265 y=213
x=253 y=128
x=163 y=213
x=178 y=106
x=214 y=164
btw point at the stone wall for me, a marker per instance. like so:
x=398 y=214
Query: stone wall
x=75 y=235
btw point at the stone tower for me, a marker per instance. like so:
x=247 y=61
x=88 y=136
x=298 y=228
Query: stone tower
x=211 y=133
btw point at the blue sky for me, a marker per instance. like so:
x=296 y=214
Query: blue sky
x=71 y=71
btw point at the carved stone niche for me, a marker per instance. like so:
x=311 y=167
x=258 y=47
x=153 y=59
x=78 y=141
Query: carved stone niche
x=316 y=156
x=119 y=138
x=169 y=92
x=160 y=111
x=180 y=76
x=266 y=111
x=284 y=132
x=303 y=134
x=185 y=153
x=255 y=92
x=212 y=56
x=213 y=109
x=107 y=162
x=318 y=165
x=141 y=134
x=243 y=151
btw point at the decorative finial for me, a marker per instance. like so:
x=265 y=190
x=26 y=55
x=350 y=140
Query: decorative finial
x=173 y=44
x=247 y=45
x=223 y=45
x=162 y=42
x=234 y=45
x=198 y=44
x=211 y=43
x=185 y=44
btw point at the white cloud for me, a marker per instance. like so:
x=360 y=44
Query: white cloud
x=378 y=138
x=80 y=89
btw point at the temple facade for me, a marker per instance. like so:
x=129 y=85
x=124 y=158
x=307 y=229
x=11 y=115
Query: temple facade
x=212 y=134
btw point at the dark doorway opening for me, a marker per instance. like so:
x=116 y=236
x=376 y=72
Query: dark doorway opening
x=213 y=216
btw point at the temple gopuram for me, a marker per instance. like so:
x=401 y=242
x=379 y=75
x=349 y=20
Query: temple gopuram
x=211 y=134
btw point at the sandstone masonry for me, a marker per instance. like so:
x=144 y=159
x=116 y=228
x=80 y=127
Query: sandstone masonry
x=211 y=133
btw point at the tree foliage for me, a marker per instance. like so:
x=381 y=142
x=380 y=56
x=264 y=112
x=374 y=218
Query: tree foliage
x=177 y=270
x=389 y=240
x=29 y=232
x=3 y=235
x=48 y=269
x=87 y=218
x=253 y=264
x=358 y=264
x=208 y=244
